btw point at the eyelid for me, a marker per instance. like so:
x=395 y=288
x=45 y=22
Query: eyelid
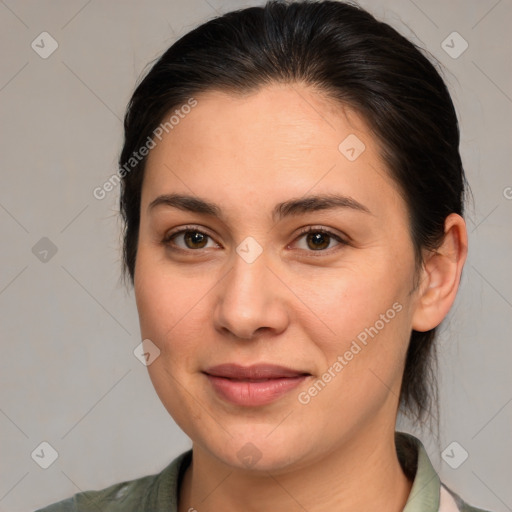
x=187 y=227
x=183 y=229
x=342 y=240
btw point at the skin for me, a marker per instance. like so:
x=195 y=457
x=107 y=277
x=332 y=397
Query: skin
x=295 y=305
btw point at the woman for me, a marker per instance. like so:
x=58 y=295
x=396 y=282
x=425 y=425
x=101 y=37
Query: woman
x=292 y=193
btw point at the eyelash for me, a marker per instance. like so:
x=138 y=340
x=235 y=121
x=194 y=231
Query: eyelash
x=312 y=229
x=305 y=231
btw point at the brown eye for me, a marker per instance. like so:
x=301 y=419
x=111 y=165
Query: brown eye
x=195 y=239
x=318 y=240
x=189 y=239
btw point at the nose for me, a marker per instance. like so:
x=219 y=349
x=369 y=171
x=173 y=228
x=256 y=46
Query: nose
x=250 y=301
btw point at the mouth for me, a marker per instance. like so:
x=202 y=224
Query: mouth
x=255 y=385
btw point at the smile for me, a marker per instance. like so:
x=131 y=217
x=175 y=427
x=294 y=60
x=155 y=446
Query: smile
x=255 y=385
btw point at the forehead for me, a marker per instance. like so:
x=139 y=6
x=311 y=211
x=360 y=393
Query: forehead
x=287 y=118
x=282 y=139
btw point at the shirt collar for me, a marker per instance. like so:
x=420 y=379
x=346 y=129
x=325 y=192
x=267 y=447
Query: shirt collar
x=424 y=495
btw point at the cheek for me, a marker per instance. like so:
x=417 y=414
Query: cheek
x=354 y=300
x=167 y=317
x=367 y=311
x=173 y=310
x=161 y=299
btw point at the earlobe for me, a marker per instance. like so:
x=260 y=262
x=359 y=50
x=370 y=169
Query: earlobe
x=440 y=276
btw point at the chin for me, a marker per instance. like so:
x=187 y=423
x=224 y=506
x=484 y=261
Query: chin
x=258 y=451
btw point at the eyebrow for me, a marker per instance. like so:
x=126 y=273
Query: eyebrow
x=292 y=207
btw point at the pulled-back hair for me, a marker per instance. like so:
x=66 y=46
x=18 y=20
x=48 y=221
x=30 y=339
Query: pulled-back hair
x=344 y=52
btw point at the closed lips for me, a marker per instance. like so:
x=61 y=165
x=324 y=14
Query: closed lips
x=254 y=373
x=253 y=386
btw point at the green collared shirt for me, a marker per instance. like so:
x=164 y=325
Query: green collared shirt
x=159 y=492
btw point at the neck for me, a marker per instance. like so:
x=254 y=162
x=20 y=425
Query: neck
x=362 y=475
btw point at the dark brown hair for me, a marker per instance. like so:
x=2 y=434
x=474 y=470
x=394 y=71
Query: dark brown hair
x=343 y=51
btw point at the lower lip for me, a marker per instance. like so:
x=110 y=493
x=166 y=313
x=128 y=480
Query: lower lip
x=252 y=393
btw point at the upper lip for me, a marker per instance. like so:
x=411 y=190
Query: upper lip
x=256 y=371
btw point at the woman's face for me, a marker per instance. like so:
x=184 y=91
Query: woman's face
x=238 y=282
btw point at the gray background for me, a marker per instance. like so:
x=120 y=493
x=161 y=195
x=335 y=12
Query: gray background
x=68 y=328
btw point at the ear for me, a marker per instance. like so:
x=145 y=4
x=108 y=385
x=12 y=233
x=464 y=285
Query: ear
x=440 y=276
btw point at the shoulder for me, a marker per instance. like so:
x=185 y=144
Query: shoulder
x=151 y=492
x=452 y=501
x=121 y=496
x=428 y=493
